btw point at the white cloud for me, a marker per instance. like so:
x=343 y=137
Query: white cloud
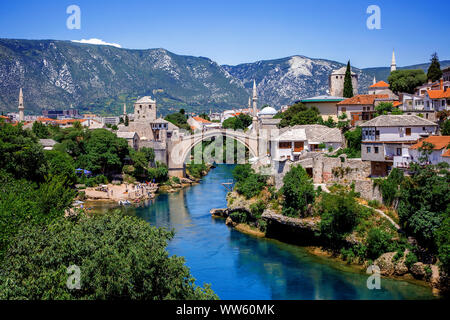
x=97 y=42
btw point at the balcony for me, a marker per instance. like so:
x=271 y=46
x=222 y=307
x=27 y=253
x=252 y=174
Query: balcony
x=402 y=162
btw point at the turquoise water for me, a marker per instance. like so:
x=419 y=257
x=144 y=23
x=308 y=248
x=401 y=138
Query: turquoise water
x=239 y=266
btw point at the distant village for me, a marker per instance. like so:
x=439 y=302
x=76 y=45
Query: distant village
x=389 y=140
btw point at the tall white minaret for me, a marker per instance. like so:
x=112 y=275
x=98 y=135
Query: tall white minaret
x=21 y=107
x=255 y=99
x=393 y=63
x=124 y=109
x=374 y=80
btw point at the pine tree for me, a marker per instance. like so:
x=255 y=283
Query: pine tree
x=127 y=121
x=434 y=71
x=348 y=86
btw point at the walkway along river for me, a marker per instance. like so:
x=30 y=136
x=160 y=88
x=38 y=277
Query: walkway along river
x=239 y=266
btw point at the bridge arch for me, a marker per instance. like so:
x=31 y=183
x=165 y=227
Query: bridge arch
x=180 y=149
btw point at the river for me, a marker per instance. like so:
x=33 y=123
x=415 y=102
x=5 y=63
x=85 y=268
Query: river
x=239 y=266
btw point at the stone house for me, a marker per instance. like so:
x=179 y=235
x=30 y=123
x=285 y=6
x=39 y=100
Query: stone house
x=440 y=152
x=386 y=140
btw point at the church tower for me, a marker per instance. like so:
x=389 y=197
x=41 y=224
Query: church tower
x=393 y=63
x=21 y=107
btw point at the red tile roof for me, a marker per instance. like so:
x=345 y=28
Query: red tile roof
x=380 y=84
x=198 y=119
x=363 y=99
x=438 y=94
x=439 y=142
x=397 y=103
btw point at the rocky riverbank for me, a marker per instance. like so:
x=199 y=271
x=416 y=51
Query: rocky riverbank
x=304 y=232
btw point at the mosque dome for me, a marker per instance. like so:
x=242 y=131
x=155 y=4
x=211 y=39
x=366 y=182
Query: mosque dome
x=268 y=111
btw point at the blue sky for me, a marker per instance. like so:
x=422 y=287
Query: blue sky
x=233 y=32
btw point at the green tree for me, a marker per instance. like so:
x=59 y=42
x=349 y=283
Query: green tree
x=434 y=71
x=384 y=108
x=61 y=164
x=20 y=153
x=24 y=202
x=339 y=215
x=298 y=192
x=348 y=85
x=423 y=202
x=445 y=128
x=178 y=119
x=406 y=80
x=40 y=130
x=378 y=242
x=298 y=114
x=127 y=121
x=104 y=152
x=240 y=122
x=120 y=257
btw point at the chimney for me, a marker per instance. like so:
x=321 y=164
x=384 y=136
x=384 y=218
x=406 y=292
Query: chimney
x=442 y=84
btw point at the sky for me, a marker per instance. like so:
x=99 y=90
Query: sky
x=241 y=31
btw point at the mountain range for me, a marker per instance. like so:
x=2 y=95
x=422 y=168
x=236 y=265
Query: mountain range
x=62 y=74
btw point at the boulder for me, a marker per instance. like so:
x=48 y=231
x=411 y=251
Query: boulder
x=418 y=270
x=230 y=222
x=401 y=268
x=386 y=264
x=219 y=212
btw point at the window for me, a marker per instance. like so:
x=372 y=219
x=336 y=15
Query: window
x=343 y=109
x=408 y=131
x=284 y=145
x=376 y=149
x=399 y=151
x=368 y=149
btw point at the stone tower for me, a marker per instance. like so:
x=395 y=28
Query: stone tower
x=21 y=107
x=336 y=82
x=145 y=109
x=393 y=63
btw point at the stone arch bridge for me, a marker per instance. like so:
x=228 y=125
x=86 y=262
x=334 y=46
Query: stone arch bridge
x=179 y=148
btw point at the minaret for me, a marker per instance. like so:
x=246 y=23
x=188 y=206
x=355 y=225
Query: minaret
x=255 y=110
x=21 y=107
x=124 y=109
x=374 y=80
x=255 y=99
x=393 y=63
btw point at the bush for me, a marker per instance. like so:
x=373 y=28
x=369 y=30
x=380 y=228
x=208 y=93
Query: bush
x=298 y=192
x=339 y=214
x=257 y=208
x=248 y=183
x=378 y=242
x=135 y=265
x=410 y=259
x=374 y=204
x=239 y=216
x=251 y=186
